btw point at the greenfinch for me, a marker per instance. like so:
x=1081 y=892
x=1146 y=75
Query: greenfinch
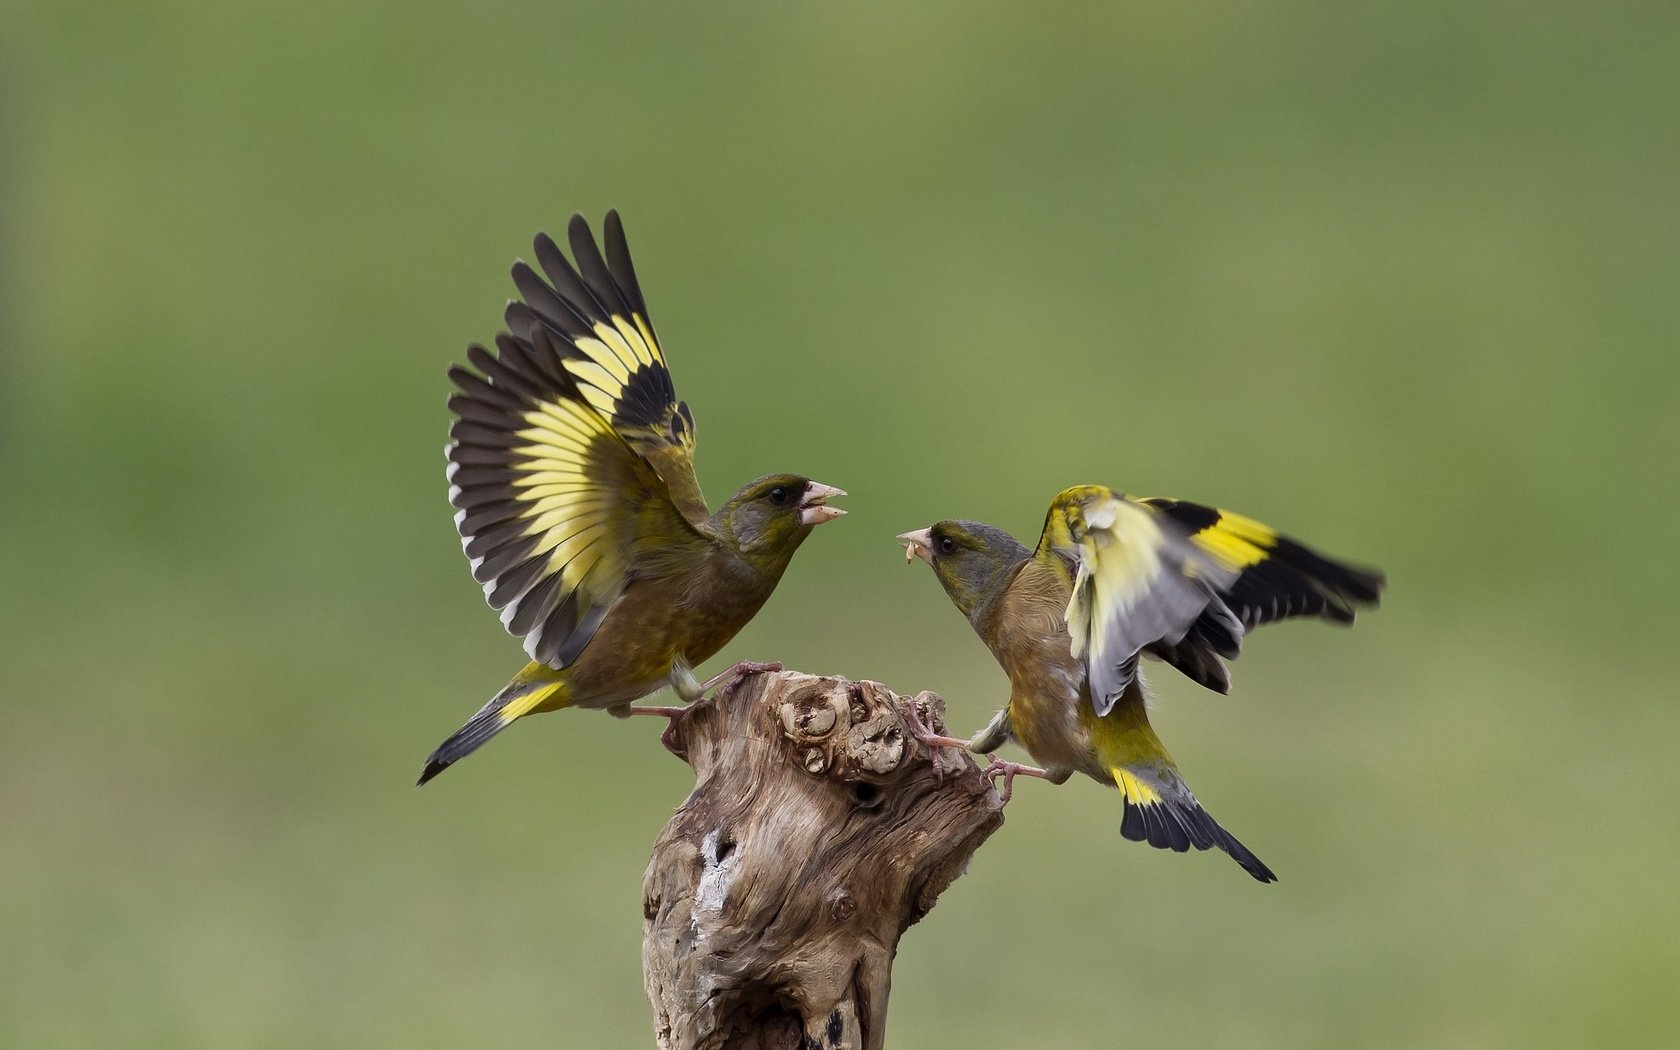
x=571 y=467
x=1114 y=578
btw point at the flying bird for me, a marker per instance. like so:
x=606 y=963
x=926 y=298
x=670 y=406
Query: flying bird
x=571 y=467
x=1114 y=578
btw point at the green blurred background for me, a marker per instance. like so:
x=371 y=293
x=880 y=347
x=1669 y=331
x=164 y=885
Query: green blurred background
x=1399 y=279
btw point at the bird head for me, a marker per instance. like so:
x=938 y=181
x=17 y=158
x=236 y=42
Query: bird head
x=772 y=516
x=971 y=559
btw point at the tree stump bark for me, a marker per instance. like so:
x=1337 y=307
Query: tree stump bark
x=816 y=834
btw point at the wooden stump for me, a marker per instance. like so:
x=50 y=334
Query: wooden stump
x=817 y=832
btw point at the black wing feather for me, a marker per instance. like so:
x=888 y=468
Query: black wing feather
x=1290 y=580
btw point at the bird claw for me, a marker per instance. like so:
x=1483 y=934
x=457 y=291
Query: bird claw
x=997 y=767
x=931 y=741
x=668 y=737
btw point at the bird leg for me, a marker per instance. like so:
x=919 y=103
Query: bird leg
x=933 y=742
x=692 y=691
x=731 y=677
x=667 y=712
x=674 y=714
x=997 y=767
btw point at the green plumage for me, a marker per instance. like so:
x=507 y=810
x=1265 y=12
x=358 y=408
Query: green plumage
x=1144 y=578
x=572 y=471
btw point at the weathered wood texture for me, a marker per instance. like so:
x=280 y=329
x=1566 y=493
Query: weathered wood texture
x=816 y=834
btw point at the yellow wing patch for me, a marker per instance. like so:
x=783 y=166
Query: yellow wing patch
x=547 y=518
x=565 y=508
x=1236 y=542
x=592 y=316
x=550 y=500
x=621 y=356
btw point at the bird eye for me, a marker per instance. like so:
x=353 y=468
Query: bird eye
x=779 y=495
x=947 y=545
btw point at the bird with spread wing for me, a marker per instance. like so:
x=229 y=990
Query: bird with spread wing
x=572 y=472
x=1115 y=578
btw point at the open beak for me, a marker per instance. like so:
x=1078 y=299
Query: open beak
x=918 y=544
x=813 y=506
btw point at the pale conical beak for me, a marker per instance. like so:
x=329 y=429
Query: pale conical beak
x=813 y=506
x=918 y=544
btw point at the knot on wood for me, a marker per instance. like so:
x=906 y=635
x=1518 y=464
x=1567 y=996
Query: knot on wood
x=848 y=730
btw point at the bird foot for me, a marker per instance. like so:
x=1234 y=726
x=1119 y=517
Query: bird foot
x=997 y=767
x=669 y=736
x=731 y=677
x=931 y=741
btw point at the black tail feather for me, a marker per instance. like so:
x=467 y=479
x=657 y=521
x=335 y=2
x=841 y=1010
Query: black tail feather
x=467 y=739
x=479 y=729
x=1179 y=825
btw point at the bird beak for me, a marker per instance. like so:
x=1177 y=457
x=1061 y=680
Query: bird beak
x=813 y=506
x=918 y=544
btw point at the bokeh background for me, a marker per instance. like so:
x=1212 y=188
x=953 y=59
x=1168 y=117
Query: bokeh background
x=1399 y=279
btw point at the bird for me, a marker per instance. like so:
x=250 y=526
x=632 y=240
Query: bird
x=1114 y=578
x=571 y=468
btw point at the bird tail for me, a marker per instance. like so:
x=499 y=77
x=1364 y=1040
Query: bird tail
x=536 y=688
x=1161 y=811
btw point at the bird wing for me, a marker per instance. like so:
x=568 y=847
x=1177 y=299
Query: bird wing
x=558 y=479
x=595 y=314
x=1138 y=581
x=1276 y=578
